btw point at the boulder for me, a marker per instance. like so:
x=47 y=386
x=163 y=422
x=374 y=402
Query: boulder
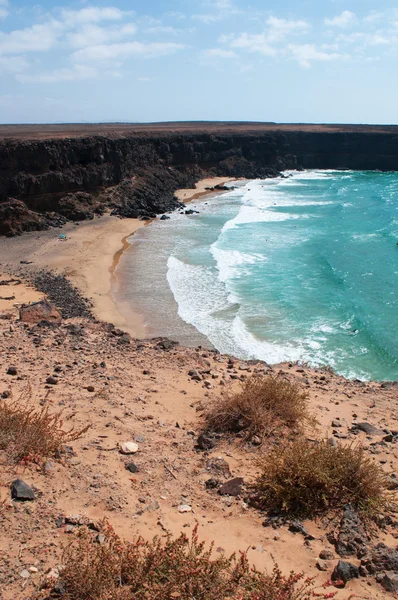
x=39 y=311
x=21 y=491
x=233 y=487
x=390 y=582
x=344 y=571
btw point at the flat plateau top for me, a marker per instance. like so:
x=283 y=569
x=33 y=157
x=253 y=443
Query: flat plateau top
x=114 y=130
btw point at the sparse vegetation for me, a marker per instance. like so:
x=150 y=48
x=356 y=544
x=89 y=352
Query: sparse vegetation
x=306 y=478
x=263 y=405
x=180 y=569
x=28 y=434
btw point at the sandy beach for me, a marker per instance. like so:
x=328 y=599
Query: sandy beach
x=88 y=256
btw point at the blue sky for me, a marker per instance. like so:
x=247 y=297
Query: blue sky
x=164 y=60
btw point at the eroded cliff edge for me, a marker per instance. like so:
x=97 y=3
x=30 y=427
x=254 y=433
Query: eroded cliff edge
x=134 y=171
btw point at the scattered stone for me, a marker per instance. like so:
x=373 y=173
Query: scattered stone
x=367 y=428
x=336 y=423
x=129 y=448
x=218 y=466
x=166 y=344
x=326 y=555
x=184 y=508
x=298 y=527
x=39 y=311
x=132 y=467
x=344 y=571
x=212 y=483
x=12 y=371
x=390 y=582
x=233 y=487
x=21 y=491
x=352 y=536
x=52 y=380
x=25 y=574
x=206 y=441
x=322 y=565
x=100 y=538
x=90 y=388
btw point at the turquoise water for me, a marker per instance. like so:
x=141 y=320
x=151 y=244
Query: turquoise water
x=297 y=268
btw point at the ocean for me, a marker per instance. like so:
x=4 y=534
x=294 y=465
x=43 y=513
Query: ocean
x=298 y=268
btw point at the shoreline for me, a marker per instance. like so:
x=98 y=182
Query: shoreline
x=89 y=257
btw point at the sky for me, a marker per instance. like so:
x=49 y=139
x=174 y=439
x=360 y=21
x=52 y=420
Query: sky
x=328 y=61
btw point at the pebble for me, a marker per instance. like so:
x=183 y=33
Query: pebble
x=21 y=491
x=25 y=574
x=184 y=508
x=12 y=371
x=129 y=448
x=52 y=380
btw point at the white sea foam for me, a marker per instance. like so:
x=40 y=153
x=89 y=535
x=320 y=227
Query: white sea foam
x=231 y=263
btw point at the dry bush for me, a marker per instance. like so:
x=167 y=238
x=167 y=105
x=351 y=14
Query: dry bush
x=180 y=569
x=263 y=405
x=306 y=479
x=30 y=434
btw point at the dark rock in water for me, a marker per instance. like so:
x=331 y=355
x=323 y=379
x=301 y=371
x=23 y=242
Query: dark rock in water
x=40 y=311
x=132 y=467
x=164 y=217
x=206 y=441
x=21 y=491
x=390 y=582
x=344 y=571
x=190 y=211
x=233 y=487
x=351 y=537
x=367 y=428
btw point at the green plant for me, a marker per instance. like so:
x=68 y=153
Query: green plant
x=307 y=478
x=180 y=569
x=28 y=434
x=262 y=405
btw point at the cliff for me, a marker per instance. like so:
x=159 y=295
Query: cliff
x=135 y=170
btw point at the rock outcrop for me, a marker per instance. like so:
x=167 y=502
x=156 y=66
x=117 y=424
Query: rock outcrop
x=136 y=172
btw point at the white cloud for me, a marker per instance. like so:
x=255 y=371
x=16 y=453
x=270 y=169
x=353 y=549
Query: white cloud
x=218 y=53
x=305 y=54
x=38 y=38
x=4 y=12
x=125 y=50
x=92 y=14
x=92 y=35
x=13 y=64
x=157 y=29
x=279 y=29
x=220 y=9
x=75 y=73
x=346 y=19
x=251 y=42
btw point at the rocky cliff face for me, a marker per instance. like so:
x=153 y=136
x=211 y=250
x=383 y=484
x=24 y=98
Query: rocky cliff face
x=44 y=182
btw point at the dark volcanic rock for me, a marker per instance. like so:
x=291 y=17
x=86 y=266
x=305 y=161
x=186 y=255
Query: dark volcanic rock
x=351 y=537
x=21 y=491
x=137 y=172
x=62 y=293
x=344 y=571
x=367 y=428
x=206 y=441
x=233 y=487
x=390 y=582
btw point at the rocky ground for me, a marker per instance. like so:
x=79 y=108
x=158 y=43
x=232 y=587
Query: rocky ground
x=143 y=465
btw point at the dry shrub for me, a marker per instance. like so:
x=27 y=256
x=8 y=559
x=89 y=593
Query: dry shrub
x=28 y=434
x=263 y=405
x=180 y=569
x=306 y=479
